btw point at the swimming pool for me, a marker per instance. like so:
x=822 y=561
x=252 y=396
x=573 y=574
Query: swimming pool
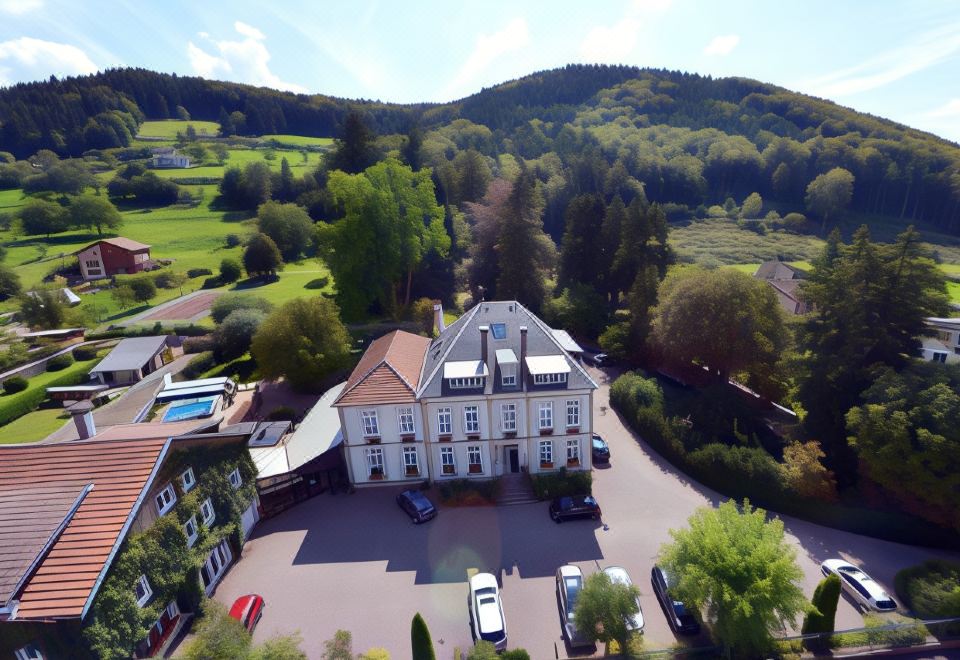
x=191 y=409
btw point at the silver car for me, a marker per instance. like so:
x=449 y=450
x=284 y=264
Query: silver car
x=619 y=575
x=861 y=587
x=569 y=586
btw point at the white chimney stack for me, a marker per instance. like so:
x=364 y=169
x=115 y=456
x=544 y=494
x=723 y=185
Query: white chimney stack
x=438 y=318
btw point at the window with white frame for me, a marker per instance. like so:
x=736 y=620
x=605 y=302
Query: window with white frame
x=474 y=459
x=465 y=383
x=187 y=480
x=549 y=379
x=939 y=357
x=207 y=514
x=405 y=421
x=411 y=463
x=508 y=417
x=546 y=453
x=165 y=499
x=448 y=464
x=573 y=412
x=235 y=479
x=471 y=419
x=190 y=529
x=573 y=451
x=215 y=565
x=508 y=377
x=144 y=592
x=371 y=427
x=545 y=415
x=444 y=421
x=375 y=463
x=28 y=652
x=173 y=610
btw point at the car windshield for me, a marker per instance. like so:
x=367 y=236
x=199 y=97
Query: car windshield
x=420 y=502
x=572 y=587
x=599 y=444
x=886 y=605
x=856 y=579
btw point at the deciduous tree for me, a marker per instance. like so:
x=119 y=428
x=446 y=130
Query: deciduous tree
x=605 y=609
x=830 y=193
x=89 y=211
x=288 y=225
x=262 y=258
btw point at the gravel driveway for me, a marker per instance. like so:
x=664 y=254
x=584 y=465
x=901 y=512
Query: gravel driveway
x=356 y=562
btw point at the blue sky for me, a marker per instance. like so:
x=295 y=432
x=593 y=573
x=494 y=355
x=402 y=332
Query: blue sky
x=895 y=59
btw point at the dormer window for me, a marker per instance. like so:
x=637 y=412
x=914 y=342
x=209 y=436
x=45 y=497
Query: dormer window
x=548 y=369
x=469 y=374
x=465 y=383
x=507 y=361
x=549 y=379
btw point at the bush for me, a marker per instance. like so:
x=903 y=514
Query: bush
x=318 y=283
x=930 y=589
x=15 y=384
x=201 y=364
x=199 y=344
x=231 y=302
x=211 y=283
x=561 y=483
x=60 y=362
x=420 y=642
x=233 y=240
x=235 y=334
x=468 y=491
x=282 y=414
x=15 y=406
x=83 y=353
x=198 y=272
x=229 y=271
x=822 y=620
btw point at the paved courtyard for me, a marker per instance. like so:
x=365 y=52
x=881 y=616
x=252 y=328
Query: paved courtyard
x=356 y=562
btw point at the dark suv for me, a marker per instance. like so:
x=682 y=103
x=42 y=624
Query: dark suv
x=576 y=506
x=680 y=619
x=417 y=506
x=600 y=449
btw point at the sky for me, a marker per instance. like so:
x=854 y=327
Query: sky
x=896 y=59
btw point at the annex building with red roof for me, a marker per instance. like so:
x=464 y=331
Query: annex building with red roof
x=113 y=256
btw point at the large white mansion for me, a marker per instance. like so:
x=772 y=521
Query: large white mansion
x=496 y=392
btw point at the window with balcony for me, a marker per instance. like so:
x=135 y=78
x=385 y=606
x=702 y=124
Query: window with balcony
x=573 y=452
x=143 y=591
x=207 y=513
x=371 y=426
x=448 y=464
x=545 y=415
x=405 y=421
x=546 y=454
x=471 y=420
x=508 y=417
x=573 y=413
x=474 y=460
x=375 y=463
x=444 y=421
x=411 y=463
x=165 y=499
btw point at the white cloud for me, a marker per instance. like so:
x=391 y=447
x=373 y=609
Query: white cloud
x=203 y=35
x=248 y=31
x=18 y=7
x=246 y=60
x=35 y=59
x=949 y=109
x=889 y=66
x=488 y=48
x=613 y=44
x=722 y=45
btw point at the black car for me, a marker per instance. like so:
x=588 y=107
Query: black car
x=576 y=506
x=681 y=620
x=601 y=450
x=417 y=506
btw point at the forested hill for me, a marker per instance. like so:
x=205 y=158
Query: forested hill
x=690 y=140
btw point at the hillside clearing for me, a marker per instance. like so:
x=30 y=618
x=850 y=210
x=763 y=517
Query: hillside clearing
x=168 y=128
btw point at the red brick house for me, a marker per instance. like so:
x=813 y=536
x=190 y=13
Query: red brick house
x=113 y=256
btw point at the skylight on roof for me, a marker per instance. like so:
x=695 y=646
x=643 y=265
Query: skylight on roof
x=499 y=330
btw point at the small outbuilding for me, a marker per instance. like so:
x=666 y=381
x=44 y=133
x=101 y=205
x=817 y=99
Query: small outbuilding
x=131 y=360
x=113 y=256
x=167 y=158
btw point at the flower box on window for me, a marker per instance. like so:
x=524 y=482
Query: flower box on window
x=546 y=465
x=475 y=468
x=449 y=469
x=573 y=429
x=473 y=436
x=509 y=434
x=373 y=440
x=547 y=431
x=408 y=437
x=573 y=462
x=376 y=476
x=413 y=471
x=445 y=438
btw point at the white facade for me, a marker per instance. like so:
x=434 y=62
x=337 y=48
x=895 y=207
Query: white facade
x=944 y=346
x=170 y=160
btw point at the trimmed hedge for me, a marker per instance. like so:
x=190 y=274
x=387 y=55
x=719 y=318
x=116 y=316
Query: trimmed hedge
x=823 y=618
x=31 y=400
x=60 y=362
x=15 y=384
x=198 y=272
x=83 y=353
x=561 y=484
x=202 y=363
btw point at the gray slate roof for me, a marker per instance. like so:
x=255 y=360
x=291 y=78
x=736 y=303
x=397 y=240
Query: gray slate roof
x=460 y=341
x=131 y=353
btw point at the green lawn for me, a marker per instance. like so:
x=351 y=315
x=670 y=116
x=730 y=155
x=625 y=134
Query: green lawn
x=721 y=243
x=41 y=382
x=170 y=127
x=292 y=283
x=33 y=426
x=241 y=157
x=300 y=140
x=953 y=288
x=950 y=269
x=10 y=200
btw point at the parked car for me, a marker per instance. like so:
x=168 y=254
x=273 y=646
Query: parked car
x=862 y=588
x=574 y=506
x=569 y=586
x=248 y=610
x=486 y=611
x=619 y=575
x=681 y=620
x=417 y=506
x=601 y=450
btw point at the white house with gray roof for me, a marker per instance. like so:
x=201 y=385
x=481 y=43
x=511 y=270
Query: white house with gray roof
x=130 y=361
x=496 y=392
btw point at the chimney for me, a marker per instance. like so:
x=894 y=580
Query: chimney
x=82 y=414
x=484 y=331
x=438 y=318
x=523 y=357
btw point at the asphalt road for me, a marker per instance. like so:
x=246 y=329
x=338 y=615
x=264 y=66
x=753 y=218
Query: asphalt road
x=355 y=562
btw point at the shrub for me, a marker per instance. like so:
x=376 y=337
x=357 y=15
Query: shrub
x=318 y=283
x=822 y=620
x=211 y=283
x=234 y=335
x=930 y=589
x=198 y=272
x=199 y=344
x=202 y=363
x=229 y=271
x=282 y=413
x=233 y=240
x=82 y=353
x=15 y=384
x=561 y=483
x=420 y=642
x=467 y=492
x=60 y=362
x=223 y=306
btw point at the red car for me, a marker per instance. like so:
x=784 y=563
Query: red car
x=248 y=610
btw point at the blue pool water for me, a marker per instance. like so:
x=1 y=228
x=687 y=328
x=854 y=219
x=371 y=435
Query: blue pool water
x=191 y=409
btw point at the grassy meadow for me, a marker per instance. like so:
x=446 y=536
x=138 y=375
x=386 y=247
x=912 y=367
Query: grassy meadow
x=33 y=426
x=169 y=128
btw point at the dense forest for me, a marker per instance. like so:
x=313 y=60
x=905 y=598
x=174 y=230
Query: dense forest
x=688 y=141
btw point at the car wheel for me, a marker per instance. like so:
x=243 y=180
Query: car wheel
x=595 y=517
x=557 y=519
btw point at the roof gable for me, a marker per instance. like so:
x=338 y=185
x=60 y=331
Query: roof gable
x=120 y=242
x=388 y=372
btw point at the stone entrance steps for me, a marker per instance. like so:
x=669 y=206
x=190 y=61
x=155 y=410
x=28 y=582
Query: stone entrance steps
x=515 y=489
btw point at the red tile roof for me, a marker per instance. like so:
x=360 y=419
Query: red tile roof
x=120 y=472
x=388 y=372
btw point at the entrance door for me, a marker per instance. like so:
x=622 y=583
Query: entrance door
x=513 y=458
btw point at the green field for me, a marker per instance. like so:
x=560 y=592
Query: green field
x=241 y=157
x=300 y=140
x=953 y=289
x=33 y=426
x=722 y=243
x=170 y=127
